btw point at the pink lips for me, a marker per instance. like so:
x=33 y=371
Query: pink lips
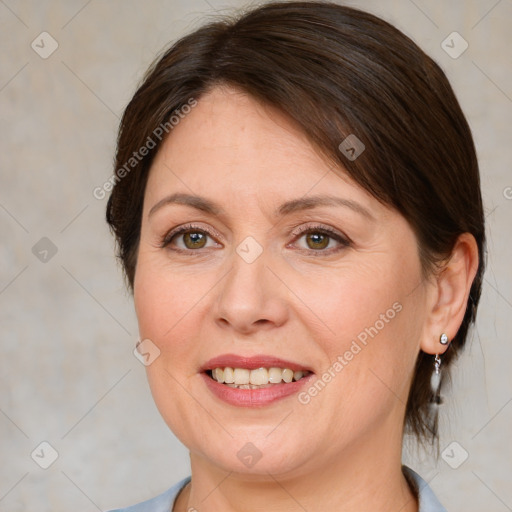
x=252 y=397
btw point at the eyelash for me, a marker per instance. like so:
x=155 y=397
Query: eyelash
x=342 y=240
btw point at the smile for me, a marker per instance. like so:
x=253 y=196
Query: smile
x=243 y=378
x=253 y=381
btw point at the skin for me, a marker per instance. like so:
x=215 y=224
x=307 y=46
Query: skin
x=342 y=450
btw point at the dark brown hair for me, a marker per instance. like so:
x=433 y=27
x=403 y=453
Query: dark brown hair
x=335 y=71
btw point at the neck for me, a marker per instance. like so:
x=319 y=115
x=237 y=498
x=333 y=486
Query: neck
x=366 y=476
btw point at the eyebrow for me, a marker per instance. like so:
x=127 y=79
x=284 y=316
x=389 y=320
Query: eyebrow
x=295 y=205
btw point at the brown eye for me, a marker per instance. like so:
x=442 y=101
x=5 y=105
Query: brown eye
x=320 y=240
x=317 y=240
x=194 y=239
x=188 y=239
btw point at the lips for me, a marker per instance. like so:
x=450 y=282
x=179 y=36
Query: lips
x=255 y=380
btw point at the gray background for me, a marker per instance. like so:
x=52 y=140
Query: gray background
x=67 y=372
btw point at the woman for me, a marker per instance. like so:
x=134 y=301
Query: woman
x=298 y=213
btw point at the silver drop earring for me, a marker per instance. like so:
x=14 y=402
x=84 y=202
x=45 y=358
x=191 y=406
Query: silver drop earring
x=435 y=380
x=435 y=385
x=436 y=399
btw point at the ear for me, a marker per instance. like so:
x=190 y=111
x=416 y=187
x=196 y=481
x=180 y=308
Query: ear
x=449 y=295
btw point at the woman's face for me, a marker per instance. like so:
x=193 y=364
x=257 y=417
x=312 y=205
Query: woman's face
x=284 y=264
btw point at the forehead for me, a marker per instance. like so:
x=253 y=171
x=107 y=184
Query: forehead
x=231 y=140
x=230 y=124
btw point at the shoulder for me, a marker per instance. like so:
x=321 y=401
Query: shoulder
x=428 y=501
x=161 y=503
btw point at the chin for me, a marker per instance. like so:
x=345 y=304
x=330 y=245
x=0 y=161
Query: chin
x=258 y=454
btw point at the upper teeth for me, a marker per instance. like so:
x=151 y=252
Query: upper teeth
x=257 y=377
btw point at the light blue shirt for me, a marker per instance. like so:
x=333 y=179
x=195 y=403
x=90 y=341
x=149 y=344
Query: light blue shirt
x=165 y=502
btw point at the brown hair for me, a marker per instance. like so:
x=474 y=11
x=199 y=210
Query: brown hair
x=336 y=71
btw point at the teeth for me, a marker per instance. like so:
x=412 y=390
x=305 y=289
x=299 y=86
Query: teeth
x=258 y=377
x=218 y=375
x=246 y=386
x=242 y=375
x=229 y=376
x=287 y=375
x=243 y=378
x=275 y=375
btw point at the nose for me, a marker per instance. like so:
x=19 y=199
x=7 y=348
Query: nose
x=251 y=296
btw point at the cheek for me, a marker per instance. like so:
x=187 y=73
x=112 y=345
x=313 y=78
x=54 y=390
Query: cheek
x=374 y=318
x=353 y=304
x=163 y=300
x=170 y=305
x=166 y=305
